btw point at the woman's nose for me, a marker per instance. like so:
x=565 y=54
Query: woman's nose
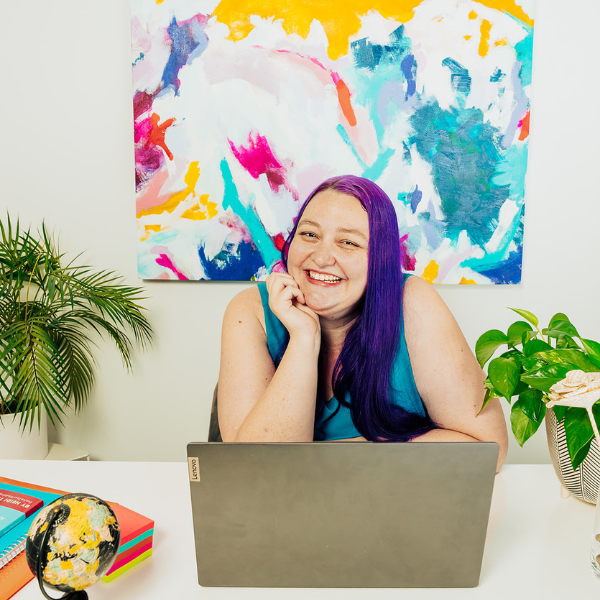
x=323 y=255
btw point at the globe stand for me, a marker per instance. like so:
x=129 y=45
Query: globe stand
x=74 y=595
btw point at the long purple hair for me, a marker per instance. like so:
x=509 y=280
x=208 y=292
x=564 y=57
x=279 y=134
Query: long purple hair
x=364 y=365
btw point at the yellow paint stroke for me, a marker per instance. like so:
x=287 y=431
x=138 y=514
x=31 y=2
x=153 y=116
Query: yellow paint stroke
x=191 y=179
x=159 y=1
x=484 y=44
x=469 y=281
x=197 y=214
x=502 y=42
x=472 y=15
x=510 y=7
x=467 y=37
x=431 y=271
x=340 y=21
x=149 y=229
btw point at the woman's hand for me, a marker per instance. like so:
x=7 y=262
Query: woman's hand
x=286 y=300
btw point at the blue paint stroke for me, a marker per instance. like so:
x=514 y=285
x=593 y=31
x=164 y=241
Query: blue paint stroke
x=460 y=78
x=408 y=67
x=344 y=135
x=188 y=41
x=232 y=263
x=231 y=198
x=415 y=198
x=506 y=272
x=498 y=75
x=463 y=152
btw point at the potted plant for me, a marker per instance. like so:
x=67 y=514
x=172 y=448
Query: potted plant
x=48 y=312
x=535 y=360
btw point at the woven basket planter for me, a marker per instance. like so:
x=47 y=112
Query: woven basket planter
x=582 y=483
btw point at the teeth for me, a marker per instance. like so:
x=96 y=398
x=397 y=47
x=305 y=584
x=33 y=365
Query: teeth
x=321 y=277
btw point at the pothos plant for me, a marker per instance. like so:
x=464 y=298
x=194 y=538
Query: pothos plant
x=536 y=359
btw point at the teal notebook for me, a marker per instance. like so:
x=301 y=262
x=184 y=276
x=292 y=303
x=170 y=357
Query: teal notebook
x=12 y=543
x=16 y=507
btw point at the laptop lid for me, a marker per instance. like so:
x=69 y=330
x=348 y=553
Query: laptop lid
x=344 y=514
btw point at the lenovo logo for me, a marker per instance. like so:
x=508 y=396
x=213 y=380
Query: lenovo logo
x=194 y=468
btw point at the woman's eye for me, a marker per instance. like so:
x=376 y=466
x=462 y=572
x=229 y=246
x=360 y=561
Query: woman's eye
x=308 y=234
x=349 y=243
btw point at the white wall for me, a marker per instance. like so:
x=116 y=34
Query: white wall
x=66 y=155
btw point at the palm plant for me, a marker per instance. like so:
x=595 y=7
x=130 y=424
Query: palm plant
x=48 y=311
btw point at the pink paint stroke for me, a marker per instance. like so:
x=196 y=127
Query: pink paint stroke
x=258 y=158
x=409 y=261
x=164 y=261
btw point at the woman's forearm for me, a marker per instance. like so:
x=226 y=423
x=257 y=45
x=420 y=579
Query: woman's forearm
x=449 y=435
x=286 y=410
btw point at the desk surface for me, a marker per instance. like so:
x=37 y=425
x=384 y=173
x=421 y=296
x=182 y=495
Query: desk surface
x=537 y=545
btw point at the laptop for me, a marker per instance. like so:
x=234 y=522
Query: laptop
x=341 y=515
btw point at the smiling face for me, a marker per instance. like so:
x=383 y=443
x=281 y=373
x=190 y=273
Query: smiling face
x=328 y=257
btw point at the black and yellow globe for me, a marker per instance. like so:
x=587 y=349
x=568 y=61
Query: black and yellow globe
x=76 y=538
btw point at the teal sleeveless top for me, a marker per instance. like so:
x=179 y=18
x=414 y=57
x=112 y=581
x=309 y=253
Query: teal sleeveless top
x=403 y=390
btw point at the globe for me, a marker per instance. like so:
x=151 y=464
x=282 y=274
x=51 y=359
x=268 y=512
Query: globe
x=76 y=539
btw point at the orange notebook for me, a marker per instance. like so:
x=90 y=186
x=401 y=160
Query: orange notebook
x=16 y=573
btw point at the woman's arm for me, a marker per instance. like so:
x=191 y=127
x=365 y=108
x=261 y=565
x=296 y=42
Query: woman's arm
x=448 y=377
x=256 y=402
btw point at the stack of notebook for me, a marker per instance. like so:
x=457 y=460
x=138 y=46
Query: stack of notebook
x=136 y=536
x=136 y=541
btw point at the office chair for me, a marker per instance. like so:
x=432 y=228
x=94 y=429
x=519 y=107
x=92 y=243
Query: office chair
x=214 y=432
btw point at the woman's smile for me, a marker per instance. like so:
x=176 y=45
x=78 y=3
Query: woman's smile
x=322 y=278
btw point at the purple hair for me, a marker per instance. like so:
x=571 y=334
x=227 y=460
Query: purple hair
x=364 y=365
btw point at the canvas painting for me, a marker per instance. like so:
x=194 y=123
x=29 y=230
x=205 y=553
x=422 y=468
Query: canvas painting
x=242 y=107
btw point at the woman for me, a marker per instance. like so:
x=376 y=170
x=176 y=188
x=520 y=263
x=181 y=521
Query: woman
x=343 y=346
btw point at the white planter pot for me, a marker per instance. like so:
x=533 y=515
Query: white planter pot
x=30 y=445
x=583 y=482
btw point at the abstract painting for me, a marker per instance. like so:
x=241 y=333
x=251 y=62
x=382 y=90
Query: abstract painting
x=242 y=107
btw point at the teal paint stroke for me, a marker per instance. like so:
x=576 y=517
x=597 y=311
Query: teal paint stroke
x=524 y=51
x=344 y=135
x=231 y=198
x=376 y=169
x=511 y=171
x=464 y=152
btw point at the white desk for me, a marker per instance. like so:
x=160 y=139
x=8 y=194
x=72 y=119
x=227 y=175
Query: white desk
x=537 y=546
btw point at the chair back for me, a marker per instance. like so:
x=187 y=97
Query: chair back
x=214 y=431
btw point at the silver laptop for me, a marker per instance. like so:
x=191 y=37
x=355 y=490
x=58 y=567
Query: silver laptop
x=344 y=514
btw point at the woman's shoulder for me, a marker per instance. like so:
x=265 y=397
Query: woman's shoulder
x=420 y=298
x=246 y=304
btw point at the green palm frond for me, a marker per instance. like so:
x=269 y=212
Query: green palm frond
x=48 y=311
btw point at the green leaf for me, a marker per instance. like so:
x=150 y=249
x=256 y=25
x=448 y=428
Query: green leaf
x=558 y=317
x=532 y=405
x=487 y=344
x=593 y=350
x=560 y=412
x=532 y=364
x=522 y=426
x=566 y=341
x=516 y=331
x=544 y=378
x=486 y=400
x=561 y=328
x=533 y=346
x=526 y=315
x=579 y=434
x=504 y=375
x=568 y=355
